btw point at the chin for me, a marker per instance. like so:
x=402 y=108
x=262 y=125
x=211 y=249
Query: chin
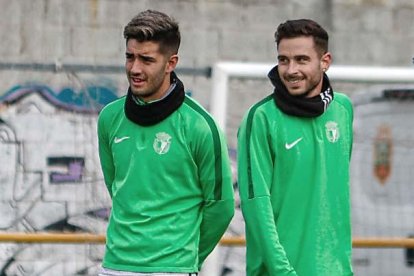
x=296 y=92
x=137 y=92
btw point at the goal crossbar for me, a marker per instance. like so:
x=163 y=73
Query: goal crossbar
x=223 y=71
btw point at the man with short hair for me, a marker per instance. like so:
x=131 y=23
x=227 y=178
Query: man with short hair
x=293 y=164
x=164 y=160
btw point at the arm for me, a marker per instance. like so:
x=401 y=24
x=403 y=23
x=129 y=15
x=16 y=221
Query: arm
x=255 y=170
x=215 y=178
x=105 y=154
x=351 y=127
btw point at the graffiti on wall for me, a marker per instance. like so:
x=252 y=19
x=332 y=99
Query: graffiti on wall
x=51 y=180
x=50 y=176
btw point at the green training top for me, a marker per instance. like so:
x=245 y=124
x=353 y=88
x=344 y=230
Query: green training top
x=171 y=190
x=294 y=186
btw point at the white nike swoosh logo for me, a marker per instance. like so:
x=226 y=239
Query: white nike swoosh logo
x=119 y=140
x=291 y=145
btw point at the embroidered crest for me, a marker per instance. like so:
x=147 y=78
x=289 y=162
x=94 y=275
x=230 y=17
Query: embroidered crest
x=382 y=154
x=332 y=131
x=162 y=143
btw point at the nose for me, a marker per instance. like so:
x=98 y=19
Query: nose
x=135 y=66
x=292 y=67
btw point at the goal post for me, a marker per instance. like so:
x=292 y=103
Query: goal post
x=223 y=71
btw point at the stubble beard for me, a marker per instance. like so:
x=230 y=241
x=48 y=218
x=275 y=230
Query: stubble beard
x=307 y=92
x=151 y=87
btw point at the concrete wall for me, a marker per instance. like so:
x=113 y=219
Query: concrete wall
x=363 y=32
x=50 y=180
x=368 y=32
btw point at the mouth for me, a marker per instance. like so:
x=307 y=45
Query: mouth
x=137 y=81
x=293 y=81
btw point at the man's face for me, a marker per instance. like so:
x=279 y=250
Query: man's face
x=300 y=66
x=148 y=70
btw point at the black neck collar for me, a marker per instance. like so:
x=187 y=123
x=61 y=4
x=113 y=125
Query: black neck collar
x=300 y=106
x=153 y=113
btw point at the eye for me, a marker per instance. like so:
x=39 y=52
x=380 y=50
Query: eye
x=129 y=56
x=302 y=59
x=282 y=60
x=147 y=59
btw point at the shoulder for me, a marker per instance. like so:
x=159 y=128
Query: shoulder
x=343 y=100
x=342 y=104
x=260 y=109
x=194 y=111
x=111 y=111
x=197 y=120
x=112 y=107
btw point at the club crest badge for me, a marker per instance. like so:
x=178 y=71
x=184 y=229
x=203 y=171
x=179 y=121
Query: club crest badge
x=162 y=143
x=332 y=131
x=382 y=154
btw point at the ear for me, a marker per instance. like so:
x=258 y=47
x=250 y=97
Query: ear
x=326 y=61
x=171 y=63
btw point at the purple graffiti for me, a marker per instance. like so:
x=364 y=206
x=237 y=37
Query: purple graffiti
x=74 y=174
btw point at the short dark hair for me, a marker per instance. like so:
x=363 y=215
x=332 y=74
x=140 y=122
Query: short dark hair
x=151 y=25
x=303 y=27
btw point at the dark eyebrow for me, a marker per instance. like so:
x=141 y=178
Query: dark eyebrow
x=301 y=57
x=141 y=57
x=146 y=58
